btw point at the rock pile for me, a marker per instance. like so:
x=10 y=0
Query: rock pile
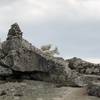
x=90 y=71
x=20 y=59
x=84 y=67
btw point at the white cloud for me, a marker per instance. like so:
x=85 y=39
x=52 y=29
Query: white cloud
x=50 y=16
x=93 y=60
x=27 y=10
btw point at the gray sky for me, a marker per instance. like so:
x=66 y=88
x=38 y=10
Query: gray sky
x=72 y=25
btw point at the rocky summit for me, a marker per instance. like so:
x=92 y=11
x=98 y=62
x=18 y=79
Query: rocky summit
x=20 y=60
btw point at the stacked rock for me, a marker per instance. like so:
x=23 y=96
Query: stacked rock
x=14 y=39
x=14 y=31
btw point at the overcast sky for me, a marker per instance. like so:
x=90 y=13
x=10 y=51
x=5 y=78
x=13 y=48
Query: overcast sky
x=72 y=25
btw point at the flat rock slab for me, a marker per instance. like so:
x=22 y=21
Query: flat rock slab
x=36 y=90
x=92 y=77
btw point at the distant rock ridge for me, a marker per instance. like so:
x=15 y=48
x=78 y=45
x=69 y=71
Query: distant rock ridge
x=83 y=67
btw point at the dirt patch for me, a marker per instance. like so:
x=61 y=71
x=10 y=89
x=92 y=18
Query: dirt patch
x=36 y=90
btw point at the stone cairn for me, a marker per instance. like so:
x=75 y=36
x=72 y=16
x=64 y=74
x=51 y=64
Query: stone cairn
x=14 y=31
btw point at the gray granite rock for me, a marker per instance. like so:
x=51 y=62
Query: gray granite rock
x=22 y=57
x=12 y=44
x=22 y=60
x=83 y=67
x=94 y=89
x=5 y=71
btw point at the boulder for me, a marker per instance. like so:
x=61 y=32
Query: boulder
x=22 y=60
x=12 y=44
x=5 y=71
x=93 y=89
